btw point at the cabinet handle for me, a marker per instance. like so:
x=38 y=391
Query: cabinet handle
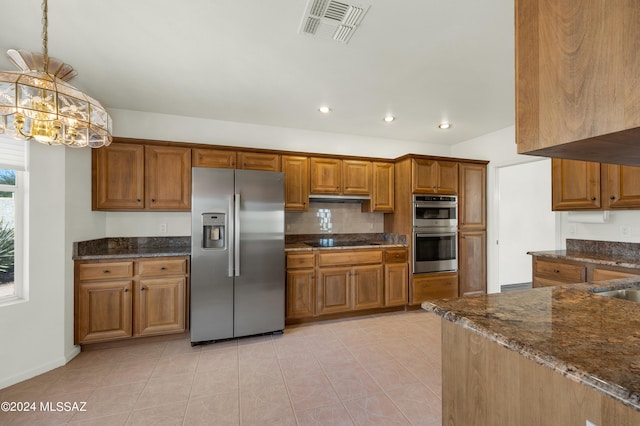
x=163 y=268
x=557 y=271
x=126 y=290
x=142 y=288
x=153 y=200
x=106 y=271
x=593 y=198
x=613 y=197
x=138 y=200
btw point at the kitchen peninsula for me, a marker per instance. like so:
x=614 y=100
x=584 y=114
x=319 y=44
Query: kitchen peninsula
x=545 y=356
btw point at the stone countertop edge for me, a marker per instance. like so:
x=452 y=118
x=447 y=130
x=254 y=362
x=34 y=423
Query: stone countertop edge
x=621 y=262
x=305 y=247
x=567 y=369
x=157 y=252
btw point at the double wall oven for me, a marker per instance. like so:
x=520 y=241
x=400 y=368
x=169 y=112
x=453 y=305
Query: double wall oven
x=435 y=233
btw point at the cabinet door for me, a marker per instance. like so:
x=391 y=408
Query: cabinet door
x=396 y=279
x=300 y=285
x=600 y=274
x=203 y=157
x=424 y=176
x=326 y=176
x=382 y=191
x=160 y=305
x=356 y=176
x=259 y=161
x=447 y=177
x=433 y=286
x=368 y=289
x=575 y=185
x=118 y=177
x=333 y=290
x=168 y=178
x=472 y=196
x=103 y=311
x=552 y=272
x=623 y=186
x=296 y=183
x=472 y=261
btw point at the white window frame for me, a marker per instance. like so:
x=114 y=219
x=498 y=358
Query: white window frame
x=21 y=292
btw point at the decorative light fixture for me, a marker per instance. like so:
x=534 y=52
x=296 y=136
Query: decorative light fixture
x=38 y=103
x=389 y=118
x=444 y=125
x=324 y=109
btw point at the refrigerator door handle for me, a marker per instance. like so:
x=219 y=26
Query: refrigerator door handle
x=229 y=237
x=236 y=230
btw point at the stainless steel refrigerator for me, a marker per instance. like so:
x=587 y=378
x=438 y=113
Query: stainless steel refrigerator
x=237 y=253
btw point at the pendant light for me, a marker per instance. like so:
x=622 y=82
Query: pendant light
x=38 y=103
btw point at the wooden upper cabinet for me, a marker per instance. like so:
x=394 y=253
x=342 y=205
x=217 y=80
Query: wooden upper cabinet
x=259 y=161
x=382 y=189
x=623 y=186
x=296 y=183
x=472 y=197
x=575 y=185
x=356 y=177
x=578 y=79
x=167 y=178
x=118 y=177
x=204 y=157
x=326 y=176
x=434 y=176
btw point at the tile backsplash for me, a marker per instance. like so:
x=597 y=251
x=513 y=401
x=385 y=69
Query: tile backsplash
x=334 y=218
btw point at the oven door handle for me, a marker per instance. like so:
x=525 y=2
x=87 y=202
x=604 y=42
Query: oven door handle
x=436 y=234
x=428 y=204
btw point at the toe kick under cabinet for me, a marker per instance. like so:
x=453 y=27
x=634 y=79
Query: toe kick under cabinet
x=126 y=298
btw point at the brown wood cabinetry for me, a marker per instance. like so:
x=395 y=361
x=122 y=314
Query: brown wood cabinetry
x=396 y=277
x=167 y=178
x=550 y=272
x=472 y=198
x=130 y=298
x=118 y=177
x=138 y=177
x=433 y=286
x=382 y=191
x=333 y=290
x=259 y=161
x=472 y=262
x=300 y=285
x=296 y=182
x=204 y=157
x=434 y=176
x=333 y=176
x=583 y=185
x=368 y=287
x=578 y=80
x=603 y=273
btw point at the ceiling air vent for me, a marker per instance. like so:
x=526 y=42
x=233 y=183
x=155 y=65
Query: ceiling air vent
x=329 y=19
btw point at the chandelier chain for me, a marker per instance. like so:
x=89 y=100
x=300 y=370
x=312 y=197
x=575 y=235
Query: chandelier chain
x=45 y=35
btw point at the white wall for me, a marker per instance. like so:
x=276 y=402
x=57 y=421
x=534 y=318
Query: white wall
x=622 y=226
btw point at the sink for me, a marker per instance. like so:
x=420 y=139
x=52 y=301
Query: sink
x=631 y=294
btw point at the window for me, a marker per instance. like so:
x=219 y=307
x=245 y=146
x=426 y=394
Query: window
x=12 y=174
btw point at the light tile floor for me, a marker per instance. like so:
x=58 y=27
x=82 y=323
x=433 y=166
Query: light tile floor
x=380 y=369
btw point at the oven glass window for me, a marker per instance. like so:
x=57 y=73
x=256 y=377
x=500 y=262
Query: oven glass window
x=435 y=212
x=435 y=248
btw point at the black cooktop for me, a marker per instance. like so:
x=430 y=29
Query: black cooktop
x=333 y=243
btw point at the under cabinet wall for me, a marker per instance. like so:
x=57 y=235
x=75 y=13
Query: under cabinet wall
x=334 y=218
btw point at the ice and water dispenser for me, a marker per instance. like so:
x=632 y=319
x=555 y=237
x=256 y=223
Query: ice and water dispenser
x=213 y=230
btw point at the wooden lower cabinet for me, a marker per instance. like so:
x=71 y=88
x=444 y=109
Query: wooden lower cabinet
x=600 y=274
x=300 y=286
x=472 y=258
x=396 y=284
x=334 y=290
x=550 y=272
x=433 y=286
x=368 y=287
x=130 y=298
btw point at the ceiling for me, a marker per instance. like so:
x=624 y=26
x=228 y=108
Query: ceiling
x=423 y=61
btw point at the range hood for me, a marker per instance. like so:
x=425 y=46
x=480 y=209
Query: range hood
x=321 y=198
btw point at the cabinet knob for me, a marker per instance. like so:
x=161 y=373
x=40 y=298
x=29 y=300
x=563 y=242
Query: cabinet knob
x=163 y=268
x=106 y=271
x=126 y=290
x=557 y=271
x=138 y=200
x=142 y=288
x=153 y=200
x=613 y=197
x=593 y=198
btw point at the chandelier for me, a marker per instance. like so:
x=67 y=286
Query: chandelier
x=38 y=103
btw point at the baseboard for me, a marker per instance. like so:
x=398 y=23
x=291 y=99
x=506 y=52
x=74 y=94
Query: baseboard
x=28 y=374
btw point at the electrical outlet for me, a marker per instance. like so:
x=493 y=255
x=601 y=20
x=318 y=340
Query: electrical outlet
x=163 y=228
x=572 y=229
x=590 y=423
x=625 y=230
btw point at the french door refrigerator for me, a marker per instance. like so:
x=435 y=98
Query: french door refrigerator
x=237 y=253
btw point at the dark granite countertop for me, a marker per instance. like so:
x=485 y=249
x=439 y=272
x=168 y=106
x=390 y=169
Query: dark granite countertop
x=607 y=253
x=343 y=241
x=592 y=339
x=123 y=247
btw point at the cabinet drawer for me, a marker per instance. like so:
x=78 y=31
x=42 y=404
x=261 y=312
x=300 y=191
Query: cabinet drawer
x=348 y=258
x=301 y=260
x=148 y=268
x=395 y=256
x=97 y=271
x=545 y=282
x=563 y=272
x=433 y=287
x=608 y=274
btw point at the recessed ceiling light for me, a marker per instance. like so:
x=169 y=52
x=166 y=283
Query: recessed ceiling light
x=389 y=118
x=444 y=125
x=324 y=109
